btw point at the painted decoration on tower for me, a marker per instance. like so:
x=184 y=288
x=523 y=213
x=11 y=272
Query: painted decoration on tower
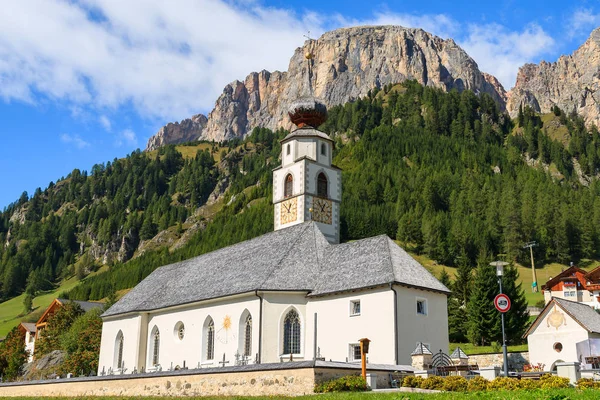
x=321 y=210
x=289 y=211
x=556 y=319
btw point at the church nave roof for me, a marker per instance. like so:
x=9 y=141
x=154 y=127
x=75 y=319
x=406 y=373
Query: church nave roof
x=296 y=258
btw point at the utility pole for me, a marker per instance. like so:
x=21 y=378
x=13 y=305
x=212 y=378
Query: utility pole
x=534 y=285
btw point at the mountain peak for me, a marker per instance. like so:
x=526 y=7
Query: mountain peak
x=346 y=64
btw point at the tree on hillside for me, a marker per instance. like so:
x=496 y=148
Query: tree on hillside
x=516 y=320
x=58 y=324
x=12 y=354
x=483 y=326
x=82 y=344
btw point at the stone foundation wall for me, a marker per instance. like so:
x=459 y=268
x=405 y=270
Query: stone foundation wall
x=515 y=360
x=271 y=380
x=277 y=383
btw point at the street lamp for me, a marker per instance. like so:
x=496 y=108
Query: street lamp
x=499 y=272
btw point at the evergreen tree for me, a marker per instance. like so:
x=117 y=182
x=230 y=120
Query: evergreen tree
x=517 y=318
x=484 y=319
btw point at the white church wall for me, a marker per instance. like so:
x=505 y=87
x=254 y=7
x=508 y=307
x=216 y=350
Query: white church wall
x=542 y=340
x=275 y=306
x=431 y=328
x=337 y=329
x=334 y=178
x=192 y=348
x=130 y=327
x=297 y=171
x=324 y=158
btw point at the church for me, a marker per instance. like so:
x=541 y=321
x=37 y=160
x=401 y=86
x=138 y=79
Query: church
x=290 y=295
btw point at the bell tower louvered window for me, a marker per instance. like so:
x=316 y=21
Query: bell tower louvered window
x=322 y=185
x=289 y=186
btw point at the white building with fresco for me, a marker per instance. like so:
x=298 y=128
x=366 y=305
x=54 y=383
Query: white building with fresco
x=565 y=331
x=292 y=294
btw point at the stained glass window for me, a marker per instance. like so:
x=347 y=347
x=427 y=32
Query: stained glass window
x=210 y=341
x=248 y=337
x=156 y=347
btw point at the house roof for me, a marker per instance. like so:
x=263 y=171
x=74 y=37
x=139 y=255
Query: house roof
x=297 y=258
x=85 y=305
x=28 y=326
x=583 y=314
x=566 y=274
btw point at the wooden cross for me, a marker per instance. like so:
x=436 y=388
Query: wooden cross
x=223 y=362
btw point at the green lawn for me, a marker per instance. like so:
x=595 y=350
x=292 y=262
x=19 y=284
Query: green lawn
x=556 y=394
x=11 y=311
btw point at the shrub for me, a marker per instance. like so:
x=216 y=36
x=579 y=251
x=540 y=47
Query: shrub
x=477 y=384
x=350 y=383
x=529 y=384
x=455 y=384
x=433 y=383
x=412 y=381
x=502 y=383
x=554 y=382
x=588 y=383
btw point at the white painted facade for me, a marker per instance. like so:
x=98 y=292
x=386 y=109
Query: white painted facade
x=29 y=345
x=550 y=343
x=337 y=329
x=573 y=294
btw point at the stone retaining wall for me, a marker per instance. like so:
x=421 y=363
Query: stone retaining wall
x=516 y=360
x=258 y=380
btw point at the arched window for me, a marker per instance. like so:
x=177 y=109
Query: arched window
x=289 y=149
x=248 y=336
x=322 y=185
x=323 y=149
x=289 y=186
x=291 y=333
x=155 y=346
x=119 y=350
x=210 y=339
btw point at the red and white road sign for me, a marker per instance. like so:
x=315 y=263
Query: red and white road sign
x=502 y=303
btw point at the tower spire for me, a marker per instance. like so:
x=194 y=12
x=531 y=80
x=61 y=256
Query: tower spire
x=309 y=56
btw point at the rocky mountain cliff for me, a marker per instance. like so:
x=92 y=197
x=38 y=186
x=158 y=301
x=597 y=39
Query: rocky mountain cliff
x=347 y=63
x=572 y=83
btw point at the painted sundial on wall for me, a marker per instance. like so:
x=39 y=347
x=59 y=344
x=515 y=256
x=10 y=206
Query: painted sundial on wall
x=225 y=333
x=556 y=319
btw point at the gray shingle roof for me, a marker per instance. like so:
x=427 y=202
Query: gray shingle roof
x=30 y=326
x=420 y=350
x=295 y=258
x=85 y=305
x=458 y=353
x=582 y=313
x=307 y=131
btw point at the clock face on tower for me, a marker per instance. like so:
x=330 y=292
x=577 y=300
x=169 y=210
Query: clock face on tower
x=321 y=210
x=289 y=210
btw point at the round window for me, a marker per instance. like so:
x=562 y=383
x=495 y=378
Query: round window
x=179 y=330
x=558 y=347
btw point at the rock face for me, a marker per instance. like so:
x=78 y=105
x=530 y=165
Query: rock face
x=187 y=130
x=347 y=63
x=572 y=83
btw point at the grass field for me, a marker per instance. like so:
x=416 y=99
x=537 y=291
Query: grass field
x=470 y=349
x=11 y=311
x=555 y=394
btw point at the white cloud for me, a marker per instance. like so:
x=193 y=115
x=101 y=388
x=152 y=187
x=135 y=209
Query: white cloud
x=582 y=22
x=75 y=140
x=126 y=137
x=501 y=52
x=169 y=60
x=105 y=122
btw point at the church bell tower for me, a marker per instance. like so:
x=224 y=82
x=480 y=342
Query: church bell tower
x=307 y=187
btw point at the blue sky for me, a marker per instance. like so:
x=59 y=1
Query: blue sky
x=83 y=82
